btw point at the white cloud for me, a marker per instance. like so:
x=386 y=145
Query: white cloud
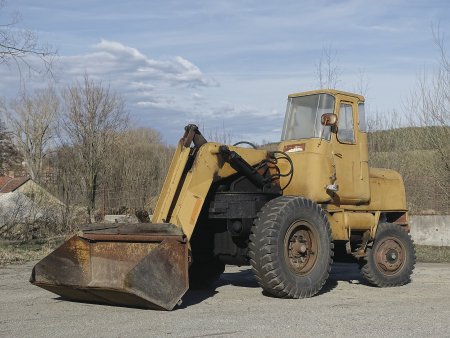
x=112 y=59
x=118 y=49
x=149 y=85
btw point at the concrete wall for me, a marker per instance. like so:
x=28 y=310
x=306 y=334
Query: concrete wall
x=430 y=230
x=120 y=219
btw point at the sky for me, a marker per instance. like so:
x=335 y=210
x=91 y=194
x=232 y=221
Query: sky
x=228 y=66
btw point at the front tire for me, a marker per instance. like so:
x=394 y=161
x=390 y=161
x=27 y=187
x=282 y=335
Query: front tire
x=290 y=248
x=391 y=259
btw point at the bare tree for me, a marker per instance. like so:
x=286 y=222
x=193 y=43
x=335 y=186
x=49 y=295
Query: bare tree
x=431 y=101
x=327 y=71
x=32 y=119
x=17 y=45
x=94 y=116
x=137 y=170
x=362 y=83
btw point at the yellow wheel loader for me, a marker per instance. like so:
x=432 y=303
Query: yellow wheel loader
x=283 y=212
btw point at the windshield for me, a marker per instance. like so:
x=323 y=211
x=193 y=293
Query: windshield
x=303 y=115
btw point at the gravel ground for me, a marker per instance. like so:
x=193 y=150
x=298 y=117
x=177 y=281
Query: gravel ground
x=235 y=307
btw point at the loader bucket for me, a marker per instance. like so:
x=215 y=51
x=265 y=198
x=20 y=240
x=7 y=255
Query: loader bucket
x=137 y=265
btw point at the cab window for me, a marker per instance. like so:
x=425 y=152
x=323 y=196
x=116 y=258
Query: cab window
x=362 y=117
x=303 y=115
x=345 y=132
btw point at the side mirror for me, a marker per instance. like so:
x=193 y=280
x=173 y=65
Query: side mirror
x=328 y=119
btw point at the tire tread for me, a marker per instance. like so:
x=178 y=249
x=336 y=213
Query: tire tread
x=263 y=247
x=374 y=276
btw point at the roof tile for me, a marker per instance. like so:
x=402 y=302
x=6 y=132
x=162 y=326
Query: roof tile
x=9 y=184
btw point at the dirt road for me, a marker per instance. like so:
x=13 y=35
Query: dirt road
x=235 y=306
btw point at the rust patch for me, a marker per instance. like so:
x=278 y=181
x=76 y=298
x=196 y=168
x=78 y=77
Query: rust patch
x=139 y=269
x=131 y=238
x=390 y=256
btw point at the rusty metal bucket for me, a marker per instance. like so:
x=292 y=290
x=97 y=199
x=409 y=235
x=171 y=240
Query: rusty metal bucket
x=137 y=265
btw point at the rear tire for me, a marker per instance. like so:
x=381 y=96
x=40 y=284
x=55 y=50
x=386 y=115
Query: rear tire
x=290 y=247
x=391 y=259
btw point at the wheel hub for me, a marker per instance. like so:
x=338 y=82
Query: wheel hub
x=390 y=256
x=300 y=247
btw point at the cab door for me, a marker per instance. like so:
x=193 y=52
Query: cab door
x=349 y=158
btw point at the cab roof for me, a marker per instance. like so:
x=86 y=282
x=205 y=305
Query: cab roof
x=333 y=92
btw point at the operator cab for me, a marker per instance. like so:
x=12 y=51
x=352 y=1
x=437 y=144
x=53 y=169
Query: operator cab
x=324 y=134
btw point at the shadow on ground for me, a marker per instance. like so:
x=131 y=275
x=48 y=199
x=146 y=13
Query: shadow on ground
x=344 y=272
x=243 y=278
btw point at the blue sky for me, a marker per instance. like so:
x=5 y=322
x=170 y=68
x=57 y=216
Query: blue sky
x=231 y=64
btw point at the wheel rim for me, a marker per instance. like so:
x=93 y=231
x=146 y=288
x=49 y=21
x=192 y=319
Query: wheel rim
x=390 y=256
x=300 y=247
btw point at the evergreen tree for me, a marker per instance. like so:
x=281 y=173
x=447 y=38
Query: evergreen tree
x=9 y=157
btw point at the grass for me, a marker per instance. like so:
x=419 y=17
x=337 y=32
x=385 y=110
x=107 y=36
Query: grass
x=21 y=252
x=433 y=254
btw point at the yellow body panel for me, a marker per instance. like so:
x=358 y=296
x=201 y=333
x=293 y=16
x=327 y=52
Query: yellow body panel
x=312 y=159
x=342 y=222
x=171 y=183
x=387 y=192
